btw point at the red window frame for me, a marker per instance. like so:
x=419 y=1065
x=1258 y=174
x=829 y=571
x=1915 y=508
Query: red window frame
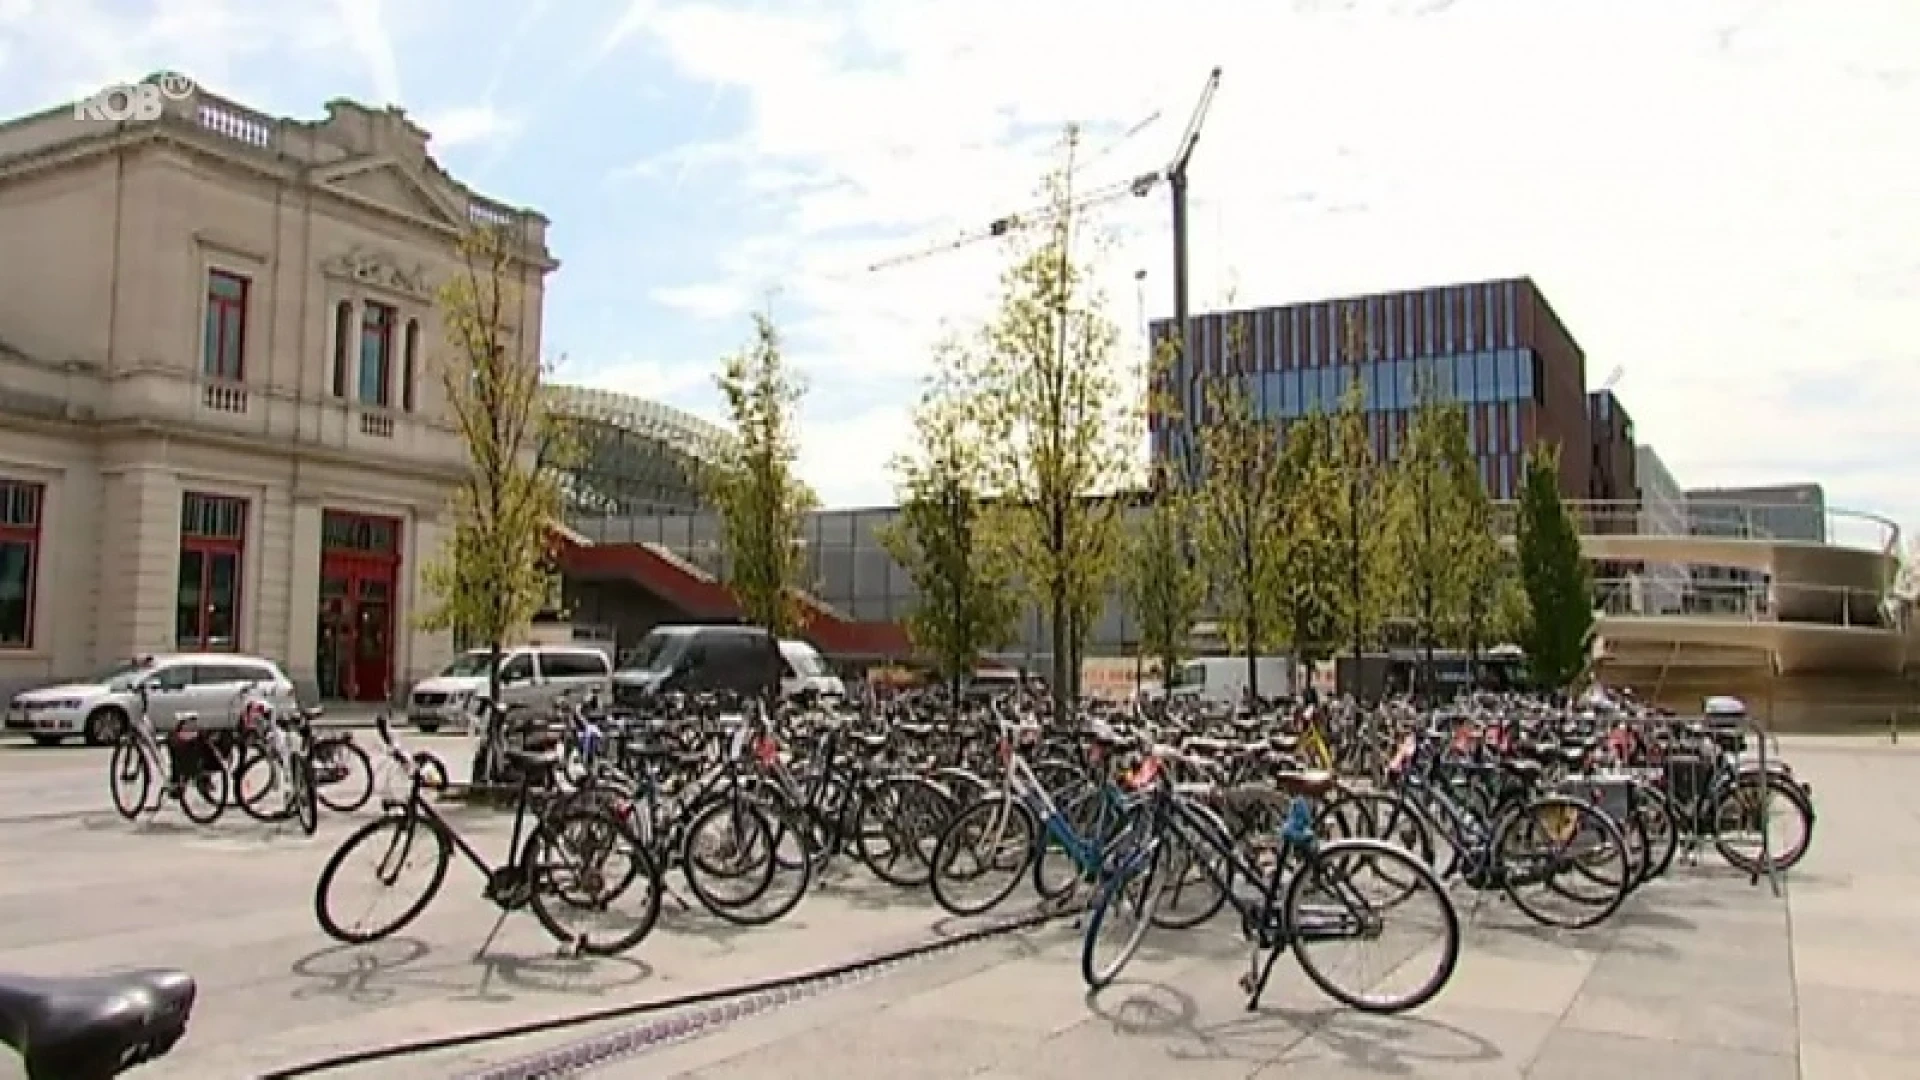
x=376 y=328
x=205 y=547
x=24 y=532
x=224 y=353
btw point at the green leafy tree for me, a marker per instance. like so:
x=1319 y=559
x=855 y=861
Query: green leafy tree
x=1477 y=561
x=944 y=540
x=757 y=489
x=1554 y=574
x=1240 y=514
x=1163 y=588
x=1424 y=521
x=1360 y=506
x=1311 y=587
x=1056 y=408
x=495 y=572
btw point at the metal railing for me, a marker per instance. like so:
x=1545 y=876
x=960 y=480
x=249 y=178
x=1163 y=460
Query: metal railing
x=1780 y=522
x=1749 y=601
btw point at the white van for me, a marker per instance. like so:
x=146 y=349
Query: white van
x=530 y=675
x=1223 y=679
x=801 y=668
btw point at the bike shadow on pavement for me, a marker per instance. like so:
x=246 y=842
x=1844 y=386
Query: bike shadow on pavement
x=401 y=970
x=1408 y=1044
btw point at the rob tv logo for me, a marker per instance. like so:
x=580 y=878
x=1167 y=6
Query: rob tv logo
x=137 y=101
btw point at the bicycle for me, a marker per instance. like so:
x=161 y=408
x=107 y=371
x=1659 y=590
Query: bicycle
x=1280 y=917
x=561 y=860
x=185 y=758
x=278 y=754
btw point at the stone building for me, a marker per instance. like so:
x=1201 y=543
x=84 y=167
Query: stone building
x=221 y=421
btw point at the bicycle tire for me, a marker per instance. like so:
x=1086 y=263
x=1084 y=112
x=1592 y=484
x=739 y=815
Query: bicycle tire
x=641 y=871
x=905 y=806
x=1597 y=911
x=1143 y=869
x=1220 y=881
x=358 y=779
x=1662 y=825
x=413 y=828
x=1779 y=788
x=217 y=802
x=260 y=805
x=129 y=759
x=760 y=834
x=949 y=846
x=1410 y=868
x=305 y=800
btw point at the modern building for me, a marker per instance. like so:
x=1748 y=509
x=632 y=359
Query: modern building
x=631 y=455
x=1496 y=347
x=1611 y=461
x=220 y=426
x=1791 y=512
x=1662 y=512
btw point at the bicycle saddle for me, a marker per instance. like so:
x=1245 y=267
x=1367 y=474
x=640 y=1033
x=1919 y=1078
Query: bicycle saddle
x=93 y=1027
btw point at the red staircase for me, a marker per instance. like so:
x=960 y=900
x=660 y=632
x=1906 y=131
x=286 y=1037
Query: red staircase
x=695 y=592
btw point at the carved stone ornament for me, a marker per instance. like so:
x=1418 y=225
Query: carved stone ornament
x=380 y=270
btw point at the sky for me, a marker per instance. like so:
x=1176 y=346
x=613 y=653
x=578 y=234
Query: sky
x=1721 y=198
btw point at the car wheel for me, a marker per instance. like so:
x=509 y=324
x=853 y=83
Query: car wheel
x=49 y=740
x=104 y=726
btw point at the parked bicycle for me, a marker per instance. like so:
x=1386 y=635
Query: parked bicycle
x=146 y=770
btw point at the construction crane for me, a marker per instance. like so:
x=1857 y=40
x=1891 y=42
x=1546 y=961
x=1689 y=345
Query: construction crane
x=1174 y=174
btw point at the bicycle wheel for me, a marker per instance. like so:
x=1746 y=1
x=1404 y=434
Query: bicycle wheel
x=204 y=792
x=897 y=827
x=342 y=775
x=585 y=861
x=1735 y=817
x=129 y=777
x=771 y=853
x=1576 y=852
x=393 y=842
x=1662 y=825
x=1124 y=909
x=306 y=805
x=1328 y=902
x=991 y=836
x=262 y=788
x=1192 y=895
x=726 y=853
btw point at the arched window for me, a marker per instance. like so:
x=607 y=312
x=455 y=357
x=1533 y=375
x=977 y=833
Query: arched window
x=410 y=364
x=342 y=346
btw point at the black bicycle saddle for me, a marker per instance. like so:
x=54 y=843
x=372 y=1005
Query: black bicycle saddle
x=93 y=1027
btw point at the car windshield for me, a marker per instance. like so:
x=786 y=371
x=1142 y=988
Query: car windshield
x=805 y=664
x=654 y=653
x=120 y=673
x=469 y=665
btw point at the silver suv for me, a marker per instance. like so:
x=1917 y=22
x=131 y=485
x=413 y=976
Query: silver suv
x=530 y=676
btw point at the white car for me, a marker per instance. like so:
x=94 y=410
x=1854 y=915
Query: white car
x=531 y=676
x=802 y=669
x=203 y=685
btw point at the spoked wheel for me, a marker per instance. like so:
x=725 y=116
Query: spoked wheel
x=306 y=805
x=1122 y=914
x=129 y=777
x=380 y=853
x=1737 y=820
x=1662 y=827
x=1563 y=862
x=204 y=793
x=733 y=854
x=1391 y=907
x=342 y=775
x=589 y=864
x=983 y=853
x=262 y=787
x=897 y=827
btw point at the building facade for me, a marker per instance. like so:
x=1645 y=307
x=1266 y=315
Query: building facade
x=1496 y=347
x=1662 y=512
x=634 y=456
x=1775 y=511
x=221 y=425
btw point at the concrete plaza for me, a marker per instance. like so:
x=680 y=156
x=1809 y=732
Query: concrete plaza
x=1704 y=975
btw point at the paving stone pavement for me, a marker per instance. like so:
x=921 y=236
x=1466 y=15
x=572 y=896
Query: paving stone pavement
x=1704 y=975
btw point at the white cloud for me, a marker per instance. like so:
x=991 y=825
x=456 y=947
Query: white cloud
x=1720 y=201
x=469 y=125
x=365 y=25
x=650 y=379
x=710 y=302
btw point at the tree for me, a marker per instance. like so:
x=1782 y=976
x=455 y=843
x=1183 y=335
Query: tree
x=495 y=572
x=1361 y=504
x=1312 y=590
x=756 y=487
x=943 y=539
x=1478 y=564
x=1163 y=588
x=1424 y=520
x=1059 y=427
x=1240 y=510
x=1554 y=574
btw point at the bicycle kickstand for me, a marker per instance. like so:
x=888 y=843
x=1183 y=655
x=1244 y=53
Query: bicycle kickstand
x=1254 y=982
x=481 y=952
x=571 y=947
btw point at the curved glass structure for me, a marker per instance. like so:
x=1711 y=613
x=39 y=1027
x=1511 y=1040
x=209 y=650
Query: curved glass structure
x=635 y=456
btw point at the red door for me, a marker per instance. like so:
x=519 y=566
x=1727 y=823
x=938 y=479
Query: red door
x=359 y=576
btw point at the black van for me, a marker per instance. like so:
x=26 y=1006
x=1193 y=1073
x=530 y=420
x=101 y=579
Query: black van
x=700 y=659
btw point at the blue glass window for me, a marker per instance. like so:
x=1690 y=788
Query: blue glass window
x=1513 y=335
x=1485 y=377
x=1390 y=385
x=1509 y=374
x=1370 y=385
x=1523 y=373
x=1332 y=384
x=1442 y=373
x=1469 y=301
x=1473 y=427
x=1313 y=337
x=1403 y=379
x=1293 y=335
